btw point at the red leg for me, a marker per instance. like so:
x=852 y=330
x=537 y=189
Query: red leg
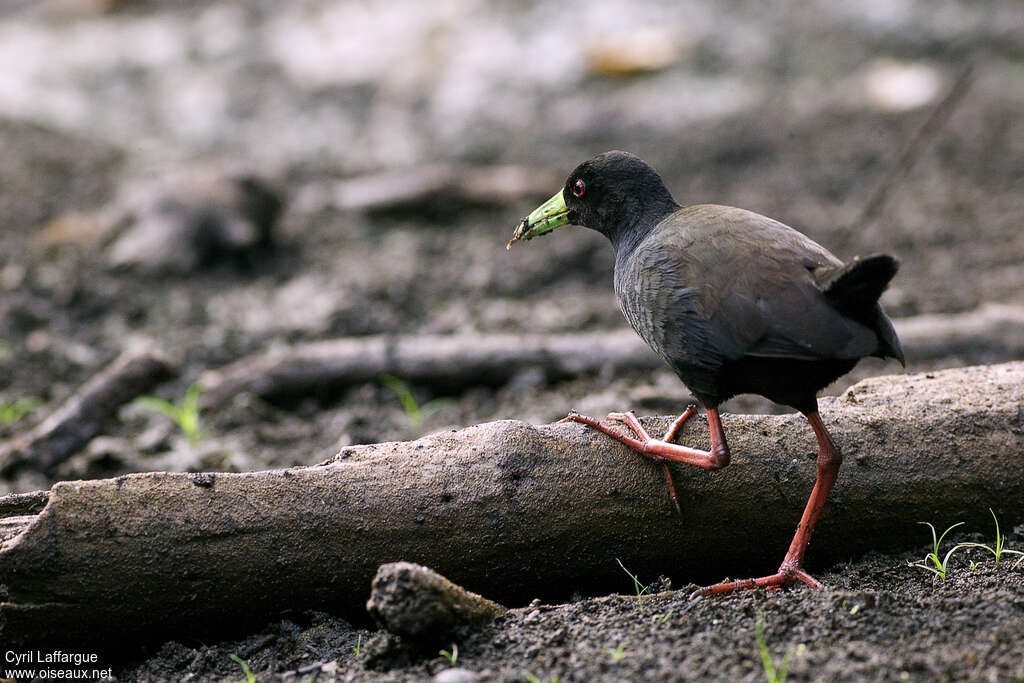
x=791 y=569
x=662 y=450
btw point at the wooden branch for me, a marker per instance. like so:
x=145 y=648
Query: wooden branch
x=18 y=510
x=444 y=361
x=85 y=413
x=442 y=186
x=991 y=333
x=509 y=510
x=935 y=122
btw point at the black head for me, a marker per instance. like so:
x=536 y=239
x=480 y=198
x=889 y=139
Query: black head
x=616 y=193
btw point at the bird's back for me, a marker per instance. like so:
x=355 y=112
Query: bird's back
x=713 y=285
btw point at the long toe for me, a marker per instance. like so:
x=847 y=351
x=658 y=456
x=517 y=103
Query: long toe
x=781 y=579
x=629 y=418
x=636 y=443
x=670 y=435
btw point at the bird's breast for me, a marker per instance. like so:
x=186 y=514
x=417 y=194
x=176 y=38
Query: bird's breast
x=644 y=297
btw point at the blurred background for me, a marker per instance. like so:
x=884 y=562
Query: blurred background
x=221 y=179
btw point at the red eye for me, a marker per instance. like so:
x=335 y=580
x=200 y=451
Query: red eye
x=579 y=188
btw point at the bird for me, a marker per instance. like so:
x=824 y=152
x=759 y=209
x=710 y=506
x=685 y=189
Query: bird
x=734 y=303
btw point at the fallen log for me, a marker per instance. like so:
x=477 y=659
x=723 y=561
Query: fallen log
x=508 y=510
x=991 y=333
x=82 y=416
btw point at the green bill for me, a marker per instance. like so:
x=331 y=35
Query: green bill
x=544 y=219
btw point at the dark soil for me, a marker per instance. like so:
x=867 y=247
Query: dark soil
x=879 y=619
x=771 y=111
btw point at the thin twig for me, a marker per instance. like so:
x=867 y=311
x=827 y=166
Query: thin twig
x=928 y=130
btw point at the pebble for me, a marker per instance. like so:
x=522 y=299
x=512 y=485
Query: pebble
x=456 y=675
x=895 y=86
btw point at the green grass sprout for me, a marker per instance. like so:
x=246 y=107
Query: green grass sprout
x=414 y=412
x=184 y=414
x=999 y=549
x=451 y=655
x=249 y=677
x=639 y=587
x=359 y=645
x=15 y=410
x=939 y=567
x=662 y=618
x=533 y=678
x=772 y=673
x=618 y=653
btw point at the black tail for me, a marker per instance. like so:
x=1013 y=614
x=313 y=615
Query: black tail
x=854 y=289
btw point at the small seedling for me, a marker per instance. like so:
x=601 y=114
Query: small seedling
x=15 y=410
x=772 y=673
x=359 y=645
x=998 y=550
x=662 y=618
x=617 y=653
x=184 y=414
x=451 y=655
x=249 y=677
x=639 y=587
x=532 y=678
x=939 y=567
x=414 y=412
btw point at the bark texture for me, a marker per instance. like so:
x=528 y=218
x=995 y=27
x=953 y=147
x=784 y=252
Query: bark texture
x=509 y=510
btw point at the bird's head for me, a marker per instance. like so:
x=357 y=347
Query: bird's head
x=611 y=193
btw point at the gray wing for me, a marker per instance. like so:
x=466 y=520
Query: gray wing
x=714 y=283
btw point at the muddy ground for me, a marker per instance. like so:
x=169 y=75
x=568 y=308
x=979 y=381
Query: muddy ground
x=800 y=113
x=879 y=619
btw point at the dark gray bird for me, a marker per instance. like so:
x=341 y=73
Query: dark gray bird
x=734 y=302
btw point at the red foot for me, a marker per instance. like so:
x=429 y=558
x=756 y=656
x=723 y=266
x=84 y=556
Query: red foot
x=781 y=579
x=643 y=440
x=662 y=450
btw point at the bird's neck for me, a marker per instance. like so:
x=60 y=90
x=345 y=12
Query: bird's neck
x=629 y=234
